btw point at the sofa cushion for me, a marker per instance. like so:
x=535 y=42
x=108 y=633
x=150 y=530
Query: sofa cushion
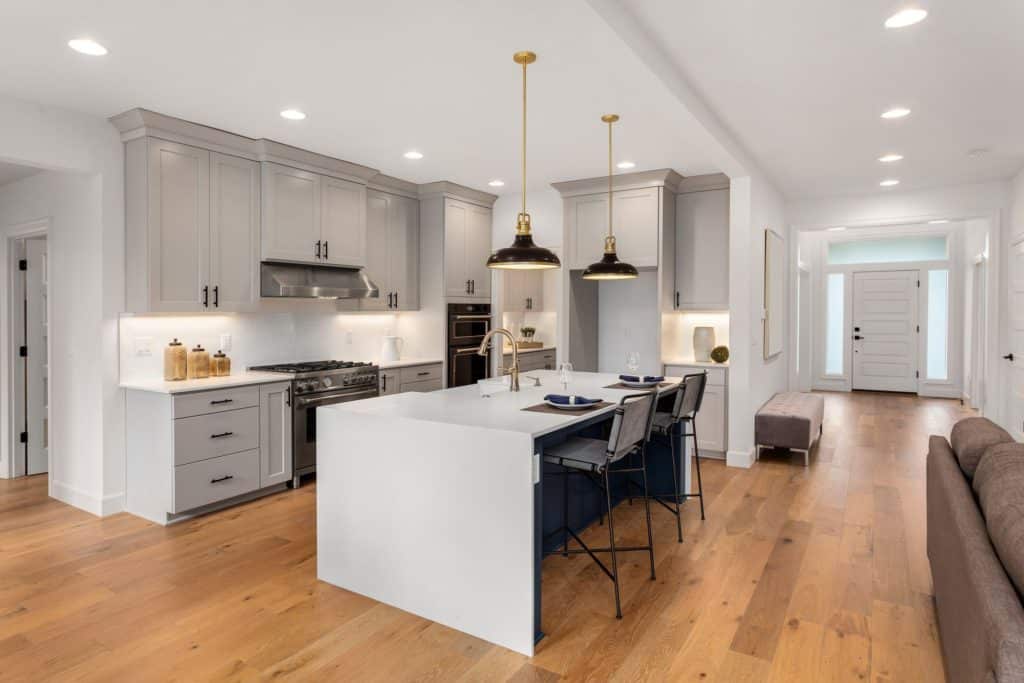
x=970 y=438
x=999 y=483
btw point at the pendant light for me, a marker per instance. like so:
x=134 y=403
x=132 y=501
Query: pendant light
x=523 y=254
x=610 y=267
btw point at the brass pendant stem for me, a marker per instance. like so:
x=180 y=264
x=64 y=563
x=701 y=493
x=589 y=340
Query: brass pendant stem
x=610 y=122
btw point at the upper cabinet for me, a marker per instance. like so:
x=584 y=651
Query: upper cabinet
x=392 y=251
x=636 y=214
x=467 y=246
x=702 y=249
x=524 y=290
x=312 y=218
x=192 y=224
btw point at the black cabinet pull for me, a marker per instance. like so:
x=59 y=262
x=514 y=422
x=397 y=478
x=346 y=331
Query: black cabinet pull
x=206 y=296
x=222 y=401
x=221 y=435
x=288 y=396
x=318 y=248
x=857 y=337
x=325 y=249
x=1008 y=357
x=383 y=383
x=396 y=299
x=216 y=296
x=220 y=479
x=467 y=286
x=423 y=374
x=677 y=299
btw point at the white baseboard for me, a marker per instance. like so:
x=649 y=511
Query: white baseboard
x=744 y=459
x=101 y=507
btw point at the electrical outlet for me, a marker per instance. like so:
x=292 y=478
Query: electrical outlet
x=225 y=342
x=143 y=346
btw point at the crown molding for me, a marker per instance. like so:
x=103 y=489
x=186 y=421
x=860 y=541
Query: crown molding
x=664 y=177
x=703 y=183
x=392 y=185
x=444 y=188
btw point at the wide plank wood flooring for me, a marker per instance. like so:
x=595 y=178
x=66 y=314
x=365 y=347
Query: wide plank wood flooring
x=797 y=574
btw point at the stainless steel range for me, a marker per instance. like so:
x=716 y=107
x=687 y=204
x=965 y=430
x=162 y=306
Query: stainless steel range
x=321 y=383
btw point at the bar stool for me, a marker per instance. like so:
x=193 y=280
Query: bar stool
x=594 y=458
x=689 y=397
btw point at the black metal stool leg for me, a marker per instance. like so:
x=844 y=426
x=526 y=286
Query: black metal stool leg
x=700 y=484
x=565 y=513
x=611 y=544
x=675 y=483
x=647 y=509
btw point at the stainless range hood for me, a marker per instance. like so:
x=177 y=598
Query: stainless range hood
x=300 y=281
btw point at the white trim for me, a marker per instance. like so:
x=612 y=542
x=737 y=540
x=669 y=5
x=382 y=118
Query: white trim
x=101 y=507
x=744 y=459
x=8 y=430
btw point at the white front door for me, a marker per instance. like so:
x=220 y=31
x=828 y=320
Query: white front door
x=1015 y=353
x=885 y=330
x=37 y=363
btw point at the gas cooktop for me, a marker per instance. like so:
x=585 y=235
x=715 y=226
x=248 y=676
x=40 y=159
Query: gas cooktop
x=311 y=366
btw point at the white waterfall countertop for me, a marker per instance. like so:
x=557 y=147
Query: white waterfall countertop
x=503 y=411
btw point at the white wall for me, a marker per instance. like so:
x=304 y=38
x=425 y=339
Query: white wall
x=86 y=212
x=754 y=205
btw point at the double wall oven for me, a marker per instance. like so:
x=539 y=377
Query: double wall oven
x=468 y=324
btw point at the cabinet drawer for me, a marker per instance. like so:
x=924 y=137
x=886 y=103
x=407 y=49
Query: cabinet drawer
x=423 y=385
x=205 y=482
x=208 y=436
x=216 y=401
x=420 y=373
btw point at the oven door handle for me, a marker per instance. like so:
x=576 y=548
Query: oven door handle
x=465 y=352
x=472 y=317
x=335 y=398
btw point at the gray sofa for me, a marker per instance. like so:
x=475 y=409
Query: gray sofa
x=975 y=513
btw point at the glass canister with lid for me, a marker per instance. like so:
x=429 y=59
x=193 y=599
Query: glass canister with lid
x=175 y=361
x=198 y=363
x=220 y=365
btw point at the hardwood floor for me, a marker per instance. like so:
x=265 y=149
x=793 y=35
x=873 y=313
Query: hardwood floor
x=797 y=574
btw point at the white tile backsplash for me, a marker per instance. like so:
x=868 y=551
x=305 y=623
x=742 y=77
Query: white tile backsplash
x=262 y=338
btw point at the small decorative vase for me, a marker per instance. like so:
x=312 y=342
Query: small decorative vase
x=703 y=342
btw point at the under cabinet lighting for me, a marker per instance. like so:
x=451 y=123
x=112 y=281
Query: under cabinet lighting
x=87 y=47
x=906 y=17
x=895 y=113
x=938 y=221
x=293 y=115
x=837 y=228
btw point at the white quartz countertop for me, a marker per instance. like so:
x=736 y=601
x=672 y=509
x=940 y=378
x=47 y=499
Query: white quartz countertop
x=407 y=363
x=501 y=411
x=187 y=385
x=696 y=363
x=507 y=350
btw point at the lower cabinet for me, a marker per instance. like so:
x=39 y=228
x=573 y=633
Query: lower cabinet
x=426 y=377
x=712 y=421
x=192 y=450
x=541 y=359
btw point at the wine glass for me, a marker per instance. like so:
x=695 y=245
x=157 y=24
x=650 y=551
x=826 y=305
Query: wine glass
x=565 y=375
x=633 y=362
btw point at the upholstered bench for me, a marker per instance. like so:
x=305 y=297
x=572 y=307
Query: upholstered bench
x=790 y=420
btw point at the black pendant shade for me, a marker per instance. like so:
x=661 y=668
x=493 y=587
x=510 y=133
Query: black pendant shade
x=610 y=267
x=523 y=255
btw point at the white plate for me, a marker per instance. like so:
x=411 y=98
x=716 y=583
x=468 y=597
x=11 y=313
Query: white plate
x=640 y=385
x=570 y=406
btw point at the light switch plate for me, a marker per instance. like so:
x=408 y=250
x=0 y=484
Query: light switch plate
x=225 y=342
x=143 y=346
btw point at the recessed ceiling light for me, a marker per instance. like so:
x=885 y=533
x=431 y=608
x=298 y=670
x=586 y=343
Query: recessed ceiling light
x=626 y=164
x=413 y=154
x=497 y=183
x=889 y=183
x=895 y=113
x=87 y=47
x=938 y=221
x=906 y=17
x=837 y=228
x=890 y=158
x=293 y=115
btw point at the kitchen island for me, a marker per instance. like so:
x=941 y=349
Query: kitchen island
x=435 y=503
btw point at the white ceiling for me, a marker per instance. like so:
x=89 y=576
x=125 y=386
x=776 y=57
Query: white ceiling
x=801 y=84
x=376 y=79
x=9 y=173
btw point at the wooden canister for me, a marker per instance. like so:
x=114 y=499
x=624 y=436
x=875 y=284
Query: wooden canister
x=220 y=365
x=175 y=361
x=198 y=363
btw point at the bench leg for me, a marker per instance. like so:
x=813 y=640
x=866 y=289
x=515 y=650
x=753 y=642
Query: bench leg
x=807 y=458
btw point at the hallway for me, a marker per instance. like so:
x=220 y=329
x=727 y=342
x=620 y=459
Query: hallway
x=814 y=574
